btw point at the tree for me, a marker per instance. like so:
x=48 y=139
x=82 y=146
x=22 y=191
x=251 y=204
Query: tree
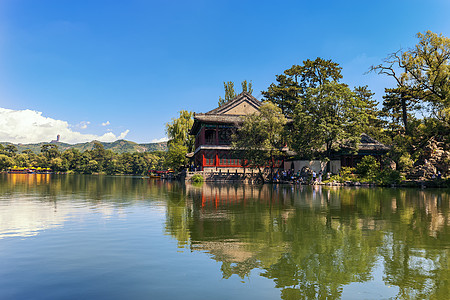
x=422 y=74
x=398 y=104
x=368 y=168
x=178 y=130
x=247 y=87
x=91 y=167
x=176 y=156
x=260 y=138
x=375 y=125
x=327 y=117
x=101 y=155
x=59 y=164
x=180 y=142
x=295 y=82
x=50 y=151
x=230 y=94
x=5 y=162
x=73 y=158
x=11 y=150
x=285 y=94
x=22 y=160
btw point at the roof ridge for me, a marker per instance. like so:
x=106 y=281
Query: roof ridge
x=239 y=97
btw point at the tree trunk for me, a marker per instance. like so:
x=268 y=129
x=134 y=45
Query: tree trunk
x=328 y=167
x=261 y=175
x=404 y=113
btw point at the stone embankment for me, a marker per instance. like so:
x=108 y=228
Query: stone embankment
x=241 y=177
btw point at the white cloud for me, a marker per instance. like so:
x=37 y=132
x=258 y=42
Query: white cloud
x=122 y=135
x=164 y=139
x=106 y=123
x=29 y=126
x=83 y=124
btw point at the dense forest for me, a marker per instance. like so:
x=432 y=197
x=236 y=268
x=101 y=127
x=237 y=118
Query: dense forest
x=97 y=160
x=119 y=146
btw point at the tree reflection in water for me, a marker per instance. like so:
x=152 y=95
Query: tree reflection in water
x=312 y=242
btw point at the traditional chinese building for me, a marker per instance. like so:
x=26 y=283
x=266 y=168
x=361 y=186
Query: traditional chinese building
x=213 y=130
x=367 y=146
x=346 y=157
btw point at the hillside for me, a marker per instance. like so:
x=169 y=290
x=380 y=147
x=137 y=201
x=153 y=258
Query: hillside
x=119 y=146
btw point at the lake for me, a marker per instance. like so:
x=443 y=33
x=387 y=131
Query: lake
x=119 y=237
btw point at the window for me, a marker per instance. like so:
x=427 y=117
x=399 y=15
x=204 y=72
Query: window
x=225 y=136
x=210 y=136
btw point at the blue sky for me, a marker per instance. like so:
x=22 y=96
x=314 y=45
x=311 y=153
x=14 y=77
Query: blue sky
x=122 y=69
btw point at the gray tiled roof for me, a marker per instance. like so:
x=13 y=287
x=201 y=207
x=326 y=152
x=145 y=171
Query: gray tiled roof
x=244 y=96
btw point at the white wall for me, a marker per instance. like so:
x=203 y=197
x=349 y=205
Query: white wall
x=315 y=165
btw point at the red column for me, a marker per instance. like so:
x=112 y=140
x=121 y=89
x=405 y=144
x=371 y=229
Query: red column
x=203 y=161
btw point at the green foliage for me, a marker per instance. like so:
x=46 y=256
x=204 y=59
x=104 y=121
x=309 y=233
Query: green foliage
x=180 y=142
x=59 y=164
x=176 y=156
x=425 y=70
x=327 y=116
x=405 y=163
x=178 y=130
x=230 y=94
x=260 y=138
x=197 y=178
x=389 y=176
x=292 y=86
x=345 y=174
x=374 y=125
x=97 y=160
x=368 y=168
x=5 y=162
x=50 y=151
x=423 y=82
x=325 y=113
x=399 y=104
x=10 y=150
x=119 y=146
x=22 y=160
x=247 y=86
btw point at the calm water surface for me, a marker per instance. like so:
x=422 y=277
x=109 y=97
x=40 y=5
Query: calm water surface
x=100 y=237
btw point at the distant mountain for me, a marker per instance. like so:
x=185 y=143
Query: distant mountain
x=119 y=146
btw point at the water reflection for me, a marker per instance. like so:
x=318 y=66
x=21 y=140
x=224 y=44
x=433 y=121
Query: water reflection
x=312 y=242
x=32 y=203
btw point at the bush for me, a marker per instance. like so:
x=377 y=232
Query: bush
x=389 y=176
x=345 y=174
x=405 y=163
x=197 y=178
x=368 y=168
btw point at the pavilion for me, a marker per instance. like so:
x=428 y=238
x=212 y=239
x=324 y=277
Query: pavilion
x=213 y=131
